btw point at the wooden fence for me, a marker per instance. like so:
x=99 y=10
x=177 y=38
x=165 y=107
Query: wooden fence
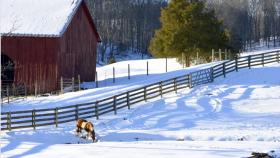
x=69 y=84
x=11 y=92
x=54 y=116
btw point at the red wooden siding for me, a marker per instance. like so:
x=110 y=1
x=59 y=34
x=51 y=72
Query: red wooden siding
x=45 y=59
x=35 y=60
x=78 y=47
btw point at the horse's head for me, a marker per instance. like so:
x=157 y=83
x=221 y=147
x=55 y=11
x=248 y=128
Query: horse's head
x=93 y=135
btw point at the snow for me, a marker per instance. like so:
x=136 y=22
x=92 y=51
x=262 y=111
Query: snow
x=263 y=44
x=36 y=17
x=165 y=149
x=259 y=51
x=231 y=117
x=106 y=86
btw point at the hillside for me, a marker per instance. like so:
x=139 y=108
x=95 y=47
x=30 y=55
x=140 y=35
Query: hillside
x=106 y=87
x=229 y=118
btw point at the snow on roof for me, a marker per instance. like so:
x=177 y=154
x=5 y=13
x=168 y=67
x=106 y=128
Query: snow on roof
x=36 y=17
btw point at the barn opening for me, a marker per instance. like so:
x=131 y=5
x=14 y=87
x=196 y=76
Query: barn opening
x=7 y=69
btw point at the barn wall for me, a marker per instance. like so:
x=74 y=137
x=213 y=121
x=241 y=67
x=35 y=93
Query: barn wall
x=35 y=60
x=78 y=47
x=44 y=60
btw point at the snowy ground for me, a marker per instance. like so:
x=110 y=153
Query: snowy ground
x=231 y=117
x=262 y=45
x=138 y=71
x=259 y=51
x=107 y=88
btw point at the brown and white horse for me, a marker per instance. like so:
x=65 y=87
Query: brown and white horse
x=87 y=126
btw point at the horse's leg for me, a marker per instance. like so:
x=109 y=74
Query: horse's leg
x=88 y=134
x=78 y=130
x=93 y=135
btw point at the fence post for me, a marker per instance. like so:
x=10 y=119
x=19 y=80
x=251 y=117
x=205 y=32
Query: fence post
x=220 y=55
x=14 y=89
x=8 y=94
x=76 y=112
x=249 y=61
x=236 y=63
x=165 y=64
x=96 y=110
x=224 y=69
x=212 y=74
x=33 y=119
x=160 y=88
x=115 y=106
x=114 y=75
x=147 y=68
x=96 y=79
x=183 y=60
x=25 y=91
x=263 y=59
x=226 y=56
x=36 y=88
x=9 y=121
x=128 y=71
x=127 y=100
x=145 y=94
x=56 y=117
x=213 y=55
x=277 y=56
x=175 y=85
x=197 y=56
x=73 y=84
x=79 y=82
x=61 y=85
x=190 y=80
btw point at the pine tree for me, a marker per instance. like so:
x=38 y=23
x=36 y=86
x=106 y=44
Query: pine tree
x=187 y=28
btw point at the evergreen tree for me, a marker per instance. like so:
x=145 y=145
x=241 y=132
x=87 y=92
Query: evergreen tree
x=187 y=28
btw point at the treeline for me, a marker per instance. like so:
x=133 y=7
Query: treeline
x=131 y=24
x=125 y=24
x=249 y=21
x=188 y=31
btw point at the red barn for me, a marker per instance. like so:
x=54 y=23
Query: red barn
x=44 y=40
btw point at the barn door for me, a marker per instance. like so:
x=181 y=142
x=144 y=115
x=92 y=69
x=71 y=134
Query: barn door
x=7 y=69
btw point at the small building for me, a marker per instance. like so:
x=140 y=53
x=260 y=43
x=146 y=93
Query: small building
x=44 y=40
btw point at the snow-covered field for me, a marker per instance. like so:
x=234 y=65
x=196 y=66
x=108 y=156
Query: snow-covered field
x=107 y=88
x=259 y=51
x=231 y=117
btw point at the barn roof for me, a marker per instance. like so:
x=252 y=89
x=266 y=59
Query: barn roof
x=40 y=18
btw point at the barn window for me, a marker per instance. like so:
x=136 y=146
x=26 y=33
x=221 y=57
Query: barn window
x=7 y=67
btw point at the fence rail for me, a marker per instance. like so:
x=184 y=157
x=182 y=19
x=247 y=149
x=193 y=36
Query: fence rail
x=70 y=84
x=54 y=116
x=10 y=92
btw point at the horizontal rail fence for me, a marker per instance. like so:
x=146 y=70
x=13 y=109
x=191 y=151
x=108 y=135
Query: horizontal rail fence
x=202 y=77
x=69 y=84
x=43 y=117
x=245 y=62
x=54 y=116
x=11 y=92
